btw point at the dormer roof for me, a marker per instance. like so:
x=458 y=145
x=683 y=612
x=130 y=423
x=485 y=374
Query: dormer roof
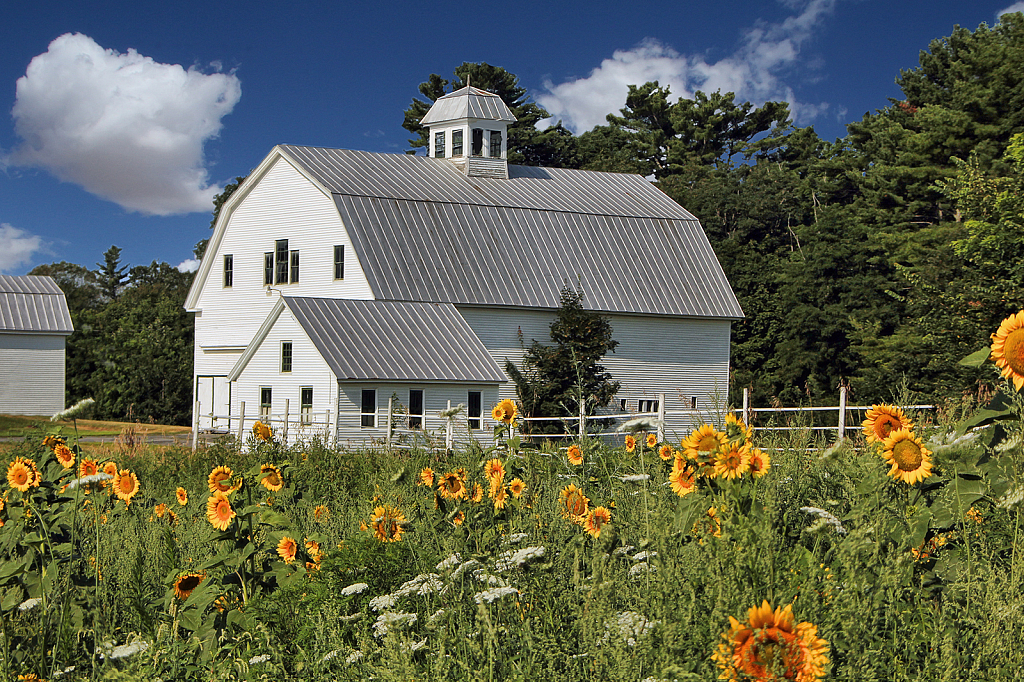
x=469 y=102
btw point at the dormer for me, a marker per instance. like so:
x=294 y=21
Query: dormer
x=469 y=127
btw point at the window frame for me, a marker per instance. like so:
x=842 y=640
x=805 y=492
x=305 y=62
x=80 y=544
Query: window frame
x=229 y=270
x=365 y=416
x=477 y=147
x=293 y=267
x=495 y=136
x=439 y=140
x=457 y=146
x=305 y=408
x=475 y=421
x=416 y=418
x=287 y=357
x=339 y=261
x=647 y=402
x=268 y=268
x=281 y=261
x=267 y=405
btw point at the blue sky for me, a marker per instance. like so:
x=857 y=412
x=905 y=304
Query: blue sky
x=122 y=119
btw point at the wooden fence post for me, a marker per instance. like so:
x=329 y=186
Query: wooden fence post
x=661 y=417
x=448 y=430
x=583 y=418
x=241 y=421
x=195 y=429
x=746 y=406
x=286 y=405
x=327 y=426
x=842 y=412
x=391 y=407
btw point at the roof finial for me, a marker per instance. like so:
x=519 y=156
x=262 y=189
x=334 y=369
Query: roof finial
x=468 y=76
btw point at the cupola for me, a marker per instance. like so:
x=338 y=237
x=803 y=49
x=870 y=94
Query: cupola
x=469 y=127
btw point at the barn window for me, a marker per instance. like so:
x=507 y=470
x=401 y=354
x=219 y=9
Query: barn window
x=294 y=276
x=282 y=261
x=229 y=270
x=644 y=406
x=268 y=268
x=265 y=401
x=456 y=143
x=339 y=261
x=474 y=409
x=415 y=408
x=693 y=402
x=286 y=356
x=439 y=145
x=624 y=405
x=369 y=409
x=478 y=142
x=306 y=404
x=495 y=144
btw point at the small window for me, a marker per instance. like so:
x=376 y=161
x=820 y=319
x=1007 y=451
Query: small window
x=623 y=405
x=474 y=409
x=286 y=356
x=268 y=268
x=439 y=145
x=369 y=409
x=265 y=401
x=693 y=403
x=339 y=261
x=456 y=143
x=294 y=275
x=229 y=270
x=415 y=408
x=282 y=262
x=478 y=142
x=306 y=405
x=495 y=144
x=645 y=406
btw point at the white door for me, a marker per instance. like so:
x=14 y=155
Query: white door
x=214 y=395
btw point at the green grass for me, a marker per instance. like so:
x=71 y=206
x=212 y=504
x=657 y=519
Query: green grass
x=19 y=426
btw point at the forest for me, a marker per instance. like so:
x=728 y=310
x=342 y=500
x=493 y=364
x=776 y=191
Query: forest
x=875 y=261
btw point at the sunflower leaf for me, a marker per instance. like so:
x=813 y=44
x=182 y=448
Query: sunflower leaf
x=1000 y=408
x=977 y=358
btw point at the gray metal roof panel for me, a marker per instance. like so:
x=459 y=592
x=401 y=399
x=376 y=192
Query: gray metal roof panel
x=394 y=341
x=468 y=102
x=33 y=304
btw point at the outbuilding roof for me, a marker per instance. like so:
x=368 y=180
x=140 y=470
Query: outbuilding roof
x=33 y=304
x=468 y=102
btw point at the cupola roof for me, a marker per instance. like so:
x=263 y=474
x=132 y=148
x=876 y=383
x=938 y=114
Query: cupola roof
x=468 y=102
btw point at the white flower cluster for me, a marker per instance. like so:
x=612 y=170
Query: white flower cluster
x=414 y=646
x=384 y=601
x=494 y=594
x=29 y=604
x=354 y=656
x=386 y=621
x=483 y=576
x=73 y=411
x=469 y=565
x=635 y=478
x=1011 y=498
x=262 y=658
x=644 y=556
x=122 y=651
x=355 y=588
x=423 y=584
x=452 y=411
x=87 y=480
x=826 y=518
x=517 y=559
x=516 y=538
x=639 y=569
x=629 y=626
x=640 y=424
x=624 y=551
x=450 y=562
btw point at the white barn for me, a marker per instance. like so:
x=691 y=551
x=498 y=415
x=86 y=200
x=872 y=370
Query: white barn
x=338 y=279
x=34 y=325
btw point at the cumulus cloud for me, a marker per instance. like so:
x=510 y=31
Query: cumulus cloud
x=123 y=126
x=188 y=265
x=1015 y=7
x=754 y=72
x=17 y=247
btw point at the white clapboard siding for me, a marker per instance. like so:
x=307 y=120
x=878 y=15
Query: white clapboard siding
x=31 y=374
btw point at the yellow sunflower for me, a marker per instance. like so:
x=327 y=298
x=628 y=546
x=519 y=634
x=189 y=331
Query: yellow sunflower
x=597 y=519
x=426 y=477
x=286 y=549
x=262 y=432
x=666 y=452
x=760 y=462
x=387 y=523
x=652 y=440
x=494 y=470
x=710 y=525
x=271 y=478
x=314 y=551
x=575 y=455
x=160 y=510
x=575 y=504
x=630 y=443
x=478 y=494
x=459 y=518
x=218 y=510
x=703 y=441
x=505 y=411
x=126 y=484
x=52 y=441
x=182 y=496
x=736 y=430
x=21 y=474
x=682 y=478
x=184 y=585
x=219 y=480
x=500 y=498
x=451 y=486
x=88 y=467
x=110 y=469
x=516 y=486
x=732 y=461
x=883 y=420
x=321 y=512
x=911 y=461
x=1008 y=349
x=64 y=455
x=770 y=645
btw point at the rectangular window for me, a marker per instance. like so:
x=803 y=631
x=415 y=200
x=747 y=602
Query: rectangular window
x=415 y=408
x=265 y=401
x=622 y=405
x=644 y=406
x=281 y=262
x=693 y=403
x=294 y=276
x=229 y=270
x=474 y=409
x=286 y=356
x=439 y=145
x=339 y=261
x=369 y=409
x=456 y=143
x=268 y=268
x=478 y=142
x=306 y=404
x=495 y=144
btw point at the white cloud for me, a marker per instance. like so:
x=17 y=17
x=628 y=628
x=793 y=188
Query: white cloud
x=189 y=265
x=17 y=247
x=753 y=72
x=124 y=127
x=1015 y=7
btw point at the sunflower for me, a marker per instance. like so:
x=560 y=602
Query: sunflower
x=666 y=452
x=505 y=411
x=596 y=520
x=387 y=523
x=321 y=512
x=652 y=440
x=682 y=478
x=516 y=486
x=882 y=420
x=736 y=430
x=426 y=477
x=52 y=441
x=286 y=549
x=262 y=432
x=182 y=496
x=630 y=443
x=218 y=510
x=314 y=551
x=126 y=484
x=732 y=461
x=712 y=525
x=1008 y=349
x=271 y=478
x=452 y=487
x=110 y=469
x=760 y=462
x=160 y=510
x=500 y=498
x=64 y=455
x=184 y=585
x=703 y=441
x=575 y=455
x=574 y=503
x=770 y=645
x=21 y=474
x=88 y=467
x=478 y=494
x=219 y=480
x=494 y=470
x=911 y=461
x=459 y=518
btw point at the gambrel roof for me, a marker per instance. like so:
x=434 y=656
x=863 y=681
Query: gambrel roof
x=33 y=304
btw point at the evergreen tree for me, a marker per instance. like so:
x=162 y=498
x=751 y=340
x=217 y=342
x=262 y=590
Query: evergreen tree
x=111 y=275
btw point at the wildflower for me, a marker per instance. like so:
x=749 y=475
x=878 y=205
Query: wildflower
x=666 y=452
x=1008 y=349
x=630 y=626
x=574 y=503
x=518 y=558
x=383 y=602
x=73 y=411
x=635 y=478
x=760 y=462
x=314 y=551
x=452 y=487
x=387 y=523
x=682 y=478
x=450 y=562
x=652 y=440
x=353 y=657
x=825 y=516
x=64 y=455
x=575 y=455
x=911 y=461
x=21 y=474
x=452 y=412
x=703 y=441
x=262 y=432
x=597 y=519
x=630 y=443
x=386 y=621
x=124 y=650
x=732 y=461
x=286 y=549
x=271 y=478
x=52 y=441
x=505 y=411
x=494 y=594
x=182 y=496
x=770 y=645
x=87 y=467
x=640 y=424
x=262 y=658
x=882 y=420
x=355 y=588
x=218 y=511
x=219 y=479
x=712 y=526
x=426 y=477
x=500 y=498
x=126 y=485
x=29 y=604
x=184 y=585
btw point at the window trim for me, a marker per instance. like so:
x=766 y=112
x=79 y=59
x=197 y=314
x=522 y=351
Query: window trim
x=268 y=268
x=229 y=270
x=439 y=139
x=281 y=261
x=339 y=261
x=457 y=136
x=495 y=135
x=305 y=409
x=266 y=408
x=293 y=267
x=651 y=403
x=287 y=357
x=477 y=147
x=363 y=415
x=475 y=421
x=416 y=418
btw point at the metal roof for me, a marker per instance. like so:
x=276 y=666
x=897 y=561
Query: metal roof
x=33 y=304
x=394 y=341
x=468 y=102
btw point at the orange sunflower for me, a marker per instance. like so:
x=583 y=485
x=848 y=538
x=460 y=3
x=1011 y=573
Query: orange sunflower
x=652 y=440
x=262 y=432
x=451 y=486
x=575 y=504
x=286 y=549
x=88 y=467
x=911 y=461
x=597 y=519
x=736 y=430
x=321 y=512
x=703 y=441
x=219 y=480
x=494 y=470
x=184 y=585
x=126 y=485
x=682 y=478
x=630 y=443
x=271 y=478
x=883 y=420
x=575 y=455
x=760 y=462
x=732 y=461
x=500 y=498
x=64 y=455
x=21 y=474
x=478 y=494
x=110 y=469
x=770 y=645
x=1008 y=349
x=666 y=452
x=387 y=523
x=505 y=411
x=182 y=496
x=710 y=525
x=459 y=518
x=218 y=511
x=516 y=486
x=426 y=477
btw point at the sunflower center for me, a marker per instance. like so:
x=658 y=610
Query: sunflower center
x=707 y=444
x=908 y=455
x=223 y=509
x=20 y=476
x=885 y=425
x=1013 y=350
